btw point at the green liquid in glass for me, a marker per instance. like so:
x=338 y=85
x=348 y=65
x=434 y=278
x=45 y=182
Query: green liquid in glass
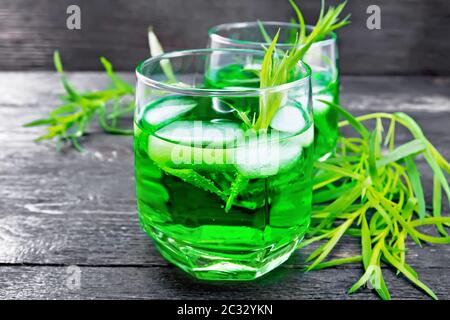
x=326 y=131
x=182 y=203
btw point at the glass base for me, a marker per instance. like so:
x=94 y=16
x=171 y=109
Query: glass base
x=226 y=266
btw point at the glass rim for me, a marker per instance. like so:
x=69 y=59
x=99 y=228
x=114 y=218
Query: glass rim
x=212 y=33
x=192 y=91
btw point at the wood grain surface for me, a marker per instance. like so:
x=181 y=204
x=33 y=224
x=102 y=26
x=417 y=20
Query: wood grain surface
x=70 y=208
x=413 y=38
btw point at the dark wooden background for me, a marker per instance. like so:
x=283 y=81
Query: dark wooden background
x=71 y=208
x=68 y=208
x=414 y=39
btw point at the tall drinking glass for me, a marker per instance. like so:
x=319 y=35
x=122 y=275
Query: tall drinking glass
x=322 y=57
x=223 y=189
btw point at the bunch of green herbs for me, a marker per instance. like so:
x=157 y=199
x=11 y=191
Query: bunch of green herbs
x=372 y=190
x=70 y=121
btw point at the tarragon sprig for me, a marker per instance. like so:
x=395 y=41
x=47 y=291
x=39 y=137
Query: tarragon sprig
x=70 y=121
x=276 y=68
x=371 y=189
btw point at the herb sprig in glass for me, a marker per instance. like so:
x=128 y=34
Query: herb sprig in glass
x=276 y=66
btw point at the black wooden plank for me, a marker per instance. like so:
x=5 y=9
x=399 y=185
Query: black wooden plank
x=80 y=208
x=413 y=38
x=89 y=234
x=21 y=282
x=58 y=209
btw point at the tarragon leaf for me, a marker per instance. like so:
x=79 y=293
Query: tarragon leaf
x=235 y=189
x=405 y=150
x=192 y=177
x=395 y=263
x=366 y=243
x=416 y=185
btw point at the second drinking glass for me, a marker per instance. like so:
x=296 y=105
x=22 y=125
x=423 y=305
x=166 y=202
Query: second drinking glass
x=322 y=57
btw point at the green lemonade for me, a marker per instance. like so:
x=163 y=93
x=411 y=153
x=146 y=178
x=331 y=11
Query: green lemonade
x=217 y=196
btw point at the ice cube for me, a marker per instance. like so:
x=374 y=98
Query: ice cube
x=192 y=143
x=318 y=106
x=288 y=119
x=306 y=137
x=252 y=66
x=201 y=132
x=261 y=155
x=168 y=109
x=314 y=58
